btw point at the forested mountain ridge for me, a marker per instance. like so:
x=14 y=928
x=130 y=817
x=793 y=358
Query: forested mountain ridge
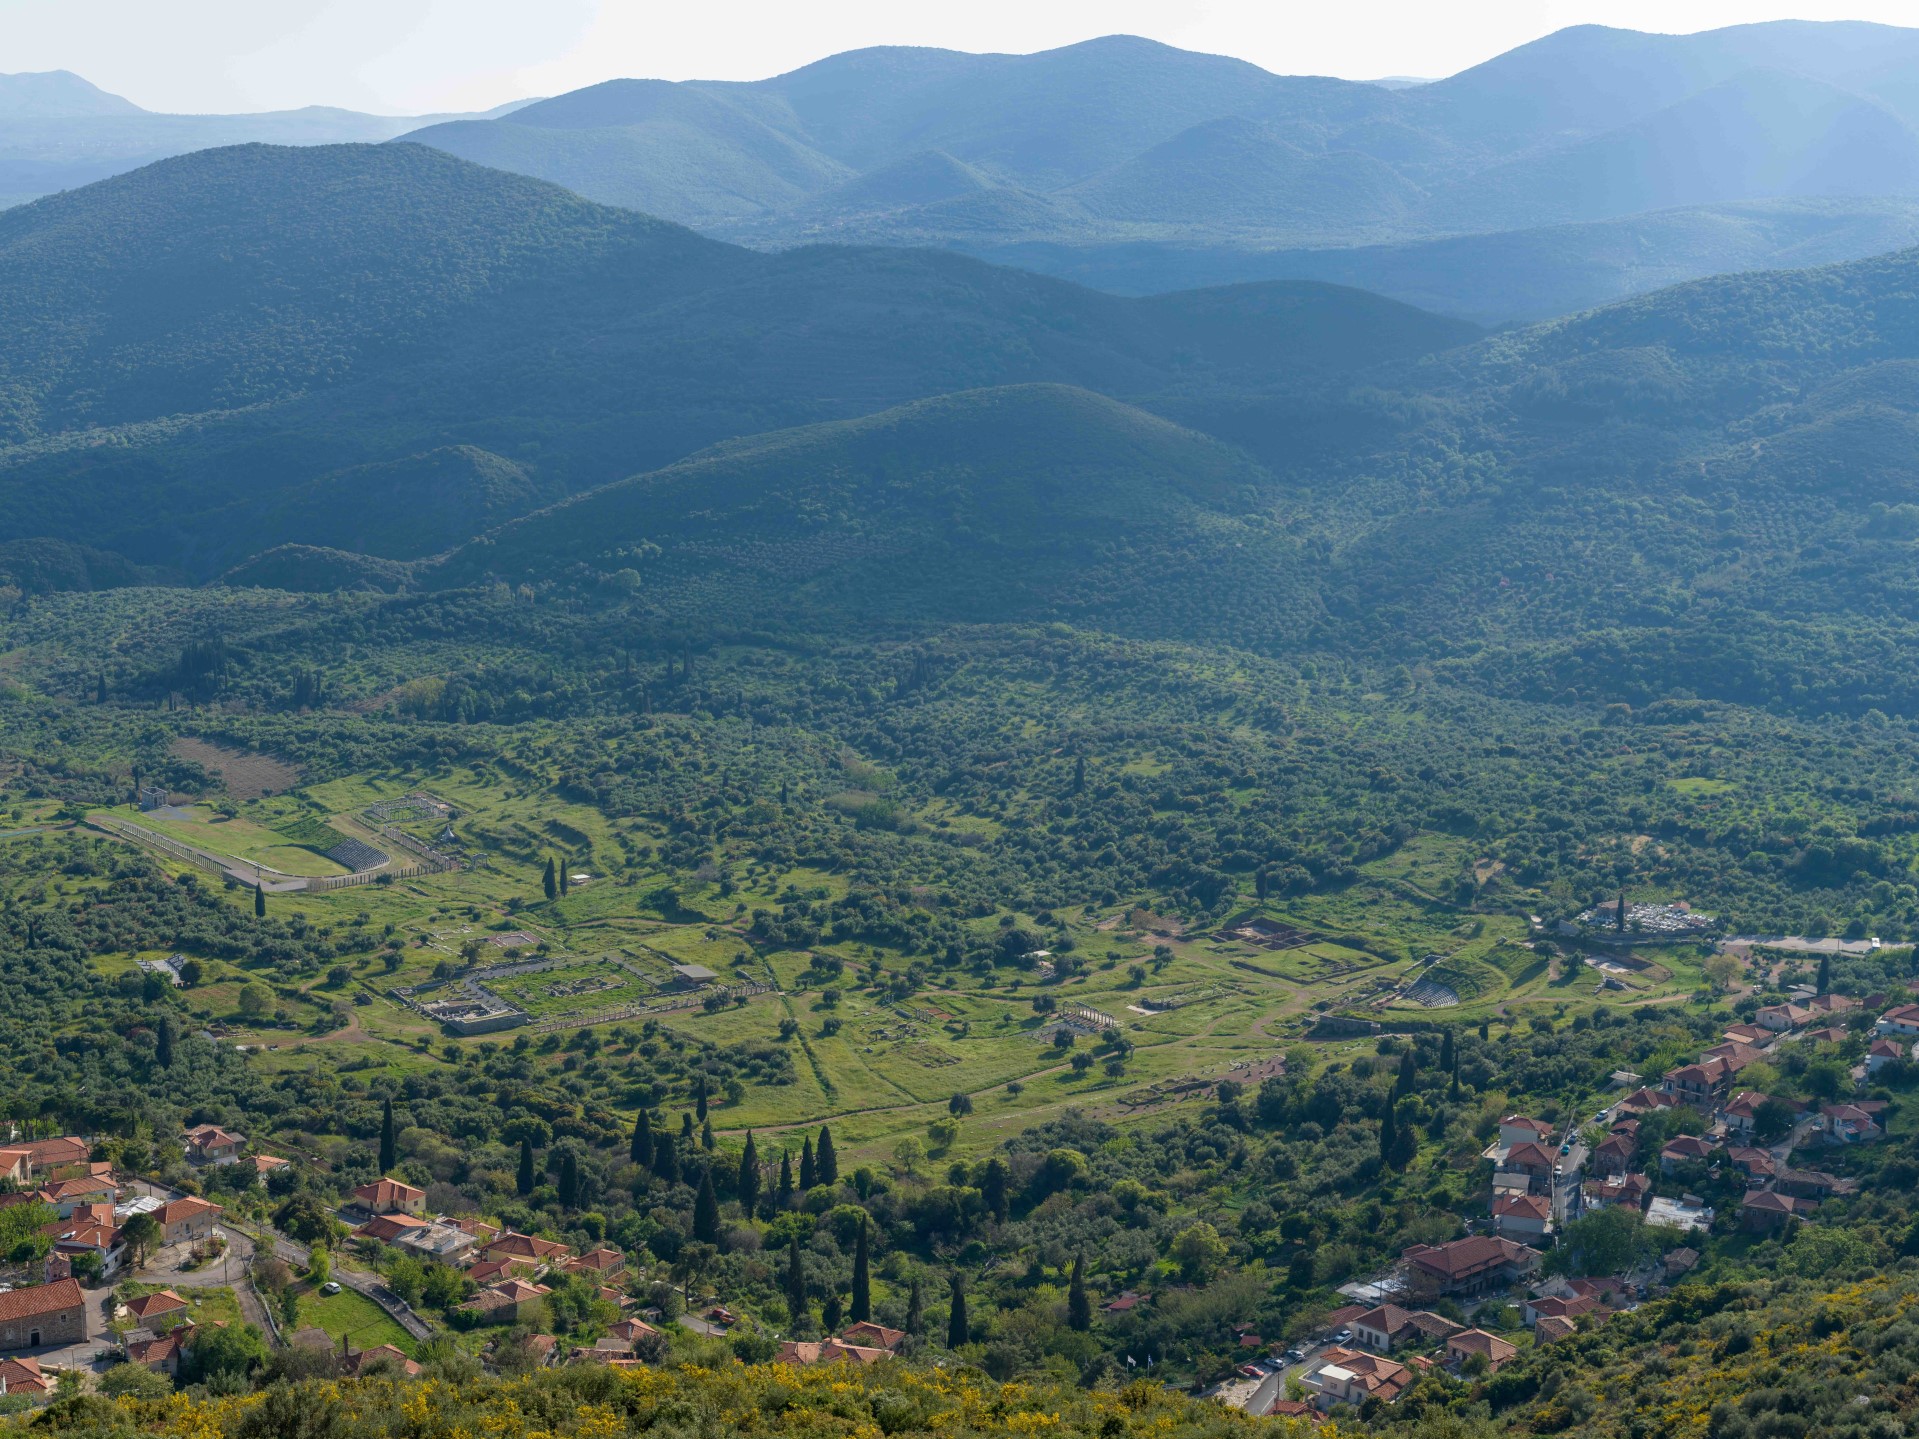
x=1123 y=161
x=258 y=320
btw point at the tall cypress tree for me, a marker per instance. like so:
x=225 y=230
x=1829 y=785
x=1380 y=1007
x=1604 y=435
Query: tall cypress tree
x=825 y=1162
x=784 y=1194
x=163 y=1042
x=809 y=1175
x=259 y=901
x=830 y=1311
x=570 y=1180
x=862 y=1280
x=706 y=1136
x=388 y=1154
x=524 y=1181
x=1448 y=1057
x=550 y=880
x=641 y=1152
x=956 y=1331
x=699 y=1099
x=686 y=1129
x=1388 y=1133
x=1408 y=1072
x=564 y=875
x=915 y=1309
x=1079 y=1309
x=795 y=1282
x=1825 y=974
x=706 y=1211
x=747 y=1186
x=666 y=1158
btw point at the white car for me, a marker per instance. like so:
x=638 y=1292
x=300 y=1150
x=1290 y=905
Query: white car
x=331 y=1287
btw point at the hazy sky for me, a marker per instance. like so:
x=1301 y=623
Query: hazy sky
x=413 y=56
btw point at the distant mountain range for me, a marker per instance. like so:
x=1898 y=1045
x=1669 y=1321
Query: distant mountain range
x=1590 y=165
x=58 y=132
x=1121 y=161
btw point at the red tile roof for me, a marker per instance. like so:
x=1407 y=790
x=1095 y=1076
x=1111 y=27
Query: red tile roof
x=40 y=1299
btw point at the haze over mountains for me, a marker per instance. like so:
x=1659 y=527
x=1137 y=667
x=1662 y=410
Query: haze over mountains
x=1128 y=164
x=57 y=131
x=1587 y=166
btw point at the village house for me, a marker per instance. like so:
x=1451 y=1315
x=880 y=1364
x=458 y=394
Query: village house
x=210 y=1144
x=158 y=1310
x=513 y=1245
x=1613 y=1155
x=1527 y=1218
x=1887 y=1051
x=1699 y=1085
x=41 y=1315
x=1550 y=1329
x=1828 y=1035
x=502 y=1302
x=1350 y=1376
x=1518 y=1129
x=25 y=1379
x=15 y=1166
x=1849 y=1124
x=437 y=1241
x=1495 y=1351
x=601 y=1263
x=1832 y=1003
x=1740 y=1114
x=1756 y=1164
x=491 y=1271
x=1784 y=1018
x=1733 y=1055
x=1534 y=1162
x=89 y=1229
x=1901 y=1020
x=266 y=1164
x=161 y=1353
x=390 y=1196
x=1628 y=1190
x=67 y=1195
x=874 y=1336
x=186 y=1219
x=1809 y=1183
x=389 y=1228
x=1767 y=1213
x=1554 y=1306
x=1755 y=1035
x=1643 y=1101
x=46 y=1155
x=1385 y=1328
x=1467 y=1266
x=827 y=1351
x=1685 y=1149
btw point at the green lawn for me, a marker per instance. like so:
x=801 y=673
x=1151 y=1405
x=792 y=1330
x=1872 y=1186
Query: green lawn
x=351 y=1315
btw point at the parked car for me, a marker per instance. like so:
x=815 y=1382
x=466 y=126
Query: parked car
x=332 y=1286
x=1295 y=1355
x=1343 y=1337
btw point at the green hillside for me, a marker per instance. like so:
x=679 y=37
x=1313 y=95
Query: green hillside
x=289 y=345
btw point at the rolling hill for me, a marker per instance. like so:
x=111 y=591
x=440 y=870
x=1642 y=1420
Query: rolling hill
x=1136 y=142
x=1012 y=504
x=206 y=353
